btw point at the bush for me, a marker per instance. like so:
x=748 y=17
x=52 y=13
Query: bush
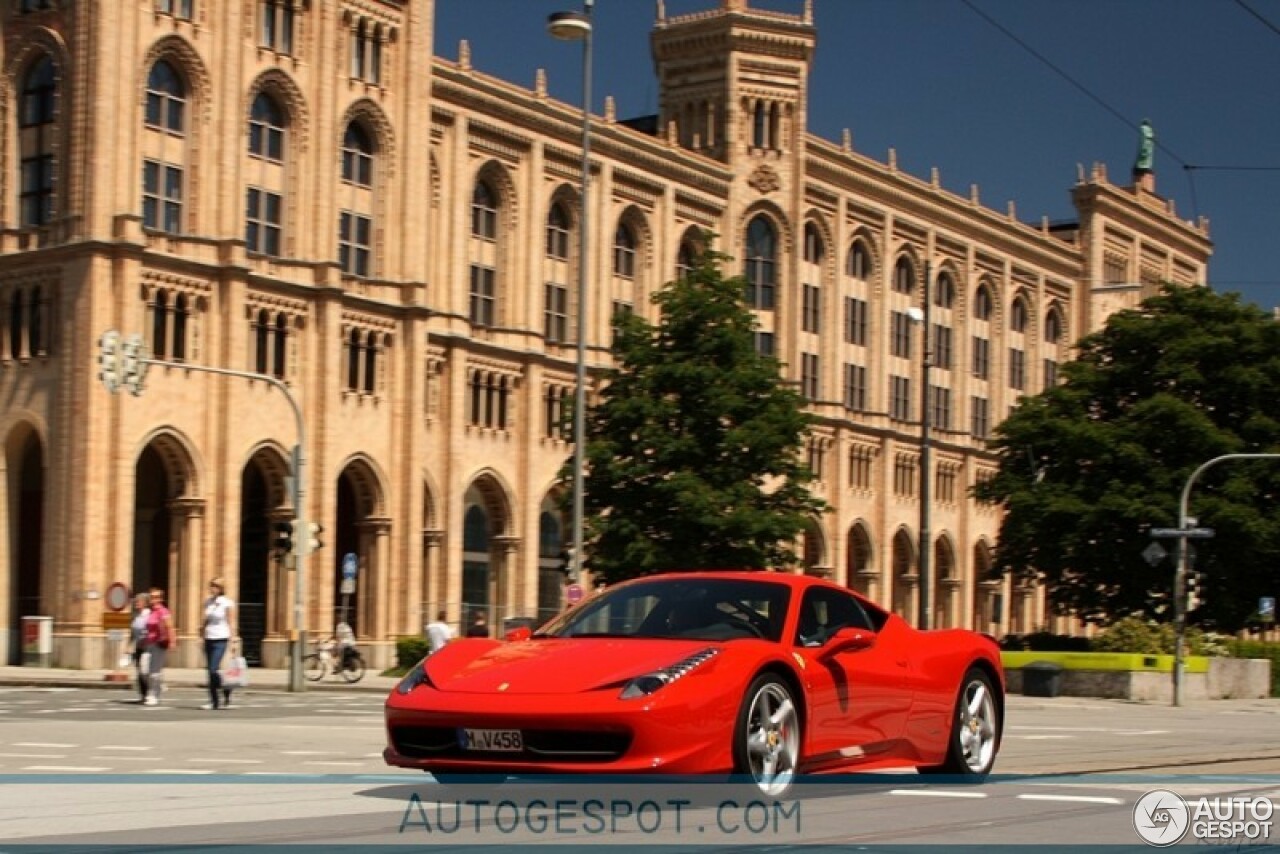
x=410 y=650
x=1259 y=649
x=1134 y=634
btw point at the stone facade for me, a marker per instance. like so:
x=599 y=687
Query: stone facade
x=281 y=187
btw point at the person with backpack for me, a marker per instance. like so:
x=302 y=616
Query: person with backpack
x=160 y=638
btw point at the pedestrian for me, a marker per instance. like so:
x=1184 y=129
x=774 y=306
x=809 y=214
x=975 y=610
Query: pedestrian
x=138 y=637
x=160 y=638
x=218 y=610
x=479 y=627
x=439 y=632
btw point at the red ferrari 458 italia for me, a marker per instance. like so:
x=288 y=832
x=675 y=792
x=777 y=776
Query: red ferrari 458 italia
x=764 y=674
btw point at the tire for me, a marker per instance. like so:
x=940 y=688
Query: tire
x=975 y=730
x=314 y=667
x=766 y=738
x=354 y=669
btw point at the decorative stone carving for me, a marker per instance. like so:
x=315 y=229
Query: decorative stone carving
x=764 y=179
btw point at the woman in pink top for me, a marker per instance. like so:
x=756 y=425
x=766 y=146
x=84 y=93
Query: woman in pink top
x=159 y=638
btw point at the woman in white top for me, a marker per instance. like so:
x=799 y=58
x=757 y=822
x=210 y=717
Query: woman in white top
x=218 y=609
x=141 y=610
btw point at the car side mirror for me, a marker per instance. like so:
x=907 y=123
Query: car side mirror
x=849 y=639
x=519 y=634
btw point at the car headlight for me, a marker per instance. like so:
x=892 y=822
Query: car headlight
x=643 y=686
x=415 y=677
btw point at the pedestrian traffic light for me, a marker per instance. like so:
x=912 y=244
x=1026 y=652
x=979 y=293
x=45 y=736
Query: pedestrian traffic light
x=314 y=529
x=282 y=543
x=109 y=360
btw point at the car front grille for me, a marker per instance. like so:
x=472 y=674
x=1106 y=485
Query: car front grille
x=540 y=745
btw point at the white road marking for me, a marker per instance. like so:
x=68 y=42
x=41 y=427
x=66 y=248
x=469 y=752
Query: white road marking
x=179 y=771
x=1041 y=737
x=34 y=755
x=78 y=768
x=127 y=758
x=308 y=752
x=1071 y=799
x=335 y=762
x=921 y=793
x=42 y=744
x=227 y=761
x=123 y=747
x=280 y=774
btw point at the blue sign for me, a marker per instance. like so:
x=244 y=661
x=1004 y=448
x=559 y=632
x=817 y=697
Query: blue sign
x=349 y=565
x=1267 y=608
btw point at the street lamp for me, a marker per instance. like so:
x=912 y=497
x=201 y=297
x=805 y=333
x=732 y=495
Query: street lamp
x=576 y=26
x=921 y=316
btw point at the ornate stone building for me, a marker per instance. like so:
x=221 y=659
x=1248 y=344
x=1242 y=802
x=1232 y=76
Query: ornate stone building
x=280 y=187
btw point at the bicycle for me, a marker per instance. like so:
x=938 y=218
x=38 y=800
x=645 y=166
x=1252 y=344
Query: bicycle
x=339 y=658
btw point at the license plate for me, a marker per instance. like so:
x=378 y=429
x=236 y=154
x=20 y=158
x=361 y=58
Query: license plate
x=502 y=740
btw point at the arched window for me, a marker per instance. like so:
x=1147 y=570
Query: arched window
x=180 y=312
x=266 y=129
x=15 y=325
x=904 y=276
x=814 y=250
x=36 y=143
x=282 y=338
x=484 y=212
x=624 y=251
x=357 y=156
x=371 y=363
x=262 y=335
x=353 y=361
x=1053 y=327
x=1018 y=315
x=858 y=264
x=166 y=98
x=760 y=126
x=983 y=304
x=944 y=291
x=762 y=260
x=686 y=258
x=557 y=232
x=160 y=324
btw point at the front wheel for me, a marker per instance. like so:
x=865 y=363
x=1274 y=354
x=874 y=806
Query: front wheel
x=353 y=667
x=313 y=666
x=975 y=729
x=766 y=740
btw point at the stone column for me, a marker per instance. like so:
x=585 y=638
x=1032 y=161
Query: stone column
x=186 y=575
x=434 y=576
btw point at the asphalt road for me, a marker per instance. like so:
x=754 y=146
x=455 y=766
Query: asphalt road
x=84 y=768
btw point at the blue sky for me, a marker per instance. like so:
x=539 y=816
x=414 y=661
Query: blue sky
x=942 y=84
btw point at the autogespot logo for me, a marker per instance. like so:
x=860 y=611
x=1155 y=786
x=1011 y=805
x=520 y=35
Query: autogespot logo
x=1161 y=818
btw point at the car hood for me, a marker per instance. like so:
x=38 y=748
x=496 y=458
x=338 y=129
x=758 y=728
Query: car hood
x=551 y=665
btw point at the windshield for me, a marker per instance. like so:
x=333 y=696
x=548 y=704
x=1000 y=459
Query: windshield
x=694 y=608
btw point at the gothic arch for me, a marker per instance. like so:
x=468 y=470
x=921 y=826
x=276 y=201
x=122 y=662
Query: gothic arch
x=273 y=460
x=778 y=219
x=284 y=88
x=498 y=177
x=367 y=482
x=819 y=220
x=181 y=465
x=495 y=494
x=633 y=216
x=195 y=74
x=372 y=116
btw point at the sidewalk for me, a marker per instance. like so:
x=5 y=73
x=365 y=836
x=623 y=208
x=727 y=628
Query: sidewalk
x=260 y=679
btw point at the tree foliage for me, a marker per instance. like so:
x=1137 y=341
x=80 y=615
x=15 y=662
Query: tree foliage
x=1086 y=467
x=693 y=450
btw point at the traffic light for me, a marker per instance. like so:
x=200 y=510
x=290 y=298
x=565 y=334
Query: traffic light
x=570 y=565
x=109 y=360
x=132 y=367
x=1195 y=590
x=282 y=542
x=314 y=529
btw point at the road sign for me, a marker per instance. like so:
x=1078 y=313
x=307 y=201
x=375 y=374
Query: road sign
x=573 y=594
x=1267 y=608
x=117 y=598
x=349 y=566
x=1179 y=533
x=1154 y=553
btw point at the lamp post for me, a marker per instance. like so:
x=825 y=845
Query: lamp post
x=576 y=26
x=921 y=316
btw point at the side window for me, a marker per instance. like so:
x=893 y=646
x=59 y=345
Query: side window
x=824 y=612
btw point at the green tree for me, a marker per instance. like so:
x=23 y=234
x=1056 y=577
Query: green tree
x=693 y=450
x=1087 y=466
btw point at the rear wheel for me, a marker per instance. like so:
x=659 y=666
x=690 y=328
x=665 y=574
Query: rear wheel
x=975 y=729
x=353 y=667
x=766 y=741
x=313 y=666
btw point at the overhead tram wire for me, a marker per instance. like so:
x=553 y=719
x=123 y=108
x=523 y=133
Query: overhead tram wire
x=1088 y=93
x=1258 y=15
